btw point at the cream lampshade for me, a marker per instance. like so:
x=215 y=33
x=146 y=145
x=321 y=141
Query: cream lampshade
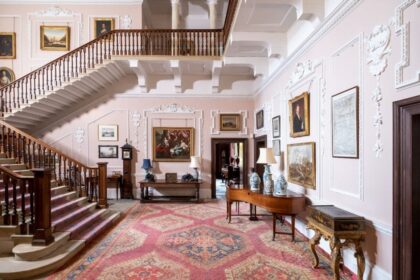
x=266 y=156
x=195 y=163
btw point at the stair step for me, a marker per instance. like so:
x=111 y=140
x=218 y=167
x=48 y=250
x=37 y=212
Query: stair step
x=12 y=269
x=5 y=160
x=3 y=155
x=65 y=220
x=57 y=199
x=70 y=205
x=87 y=221
x=17 y=166
x=28 y=252
x=98 y=228
x=58 y=190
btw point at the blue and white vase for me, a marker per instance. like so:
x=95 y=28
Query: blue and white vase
x=254 y=181
x=280 y=187
x=268 y=181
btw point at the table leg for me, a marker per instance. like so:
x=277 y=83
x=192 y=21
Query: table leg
x=313 y=242
x=360 y=259
x=253 y=213
x=335 y=245
x=197 y=192
x=141 y=192
x=230 y=211
x=293 y=228
x=274 y=225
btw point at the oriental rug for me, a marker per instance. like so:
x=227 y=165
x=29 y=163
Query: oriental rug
x=194 y=241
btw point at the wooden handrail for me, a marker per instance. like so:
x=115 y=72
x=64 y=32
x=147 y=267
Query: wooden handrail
x=14 y=175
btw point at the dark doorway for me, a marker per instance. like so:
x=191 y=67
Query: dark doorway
x=259 y=142
x=229 y=161
x=406 y=190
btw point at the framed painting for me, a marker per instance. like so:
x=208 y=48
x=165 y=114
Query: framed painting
x=345 y=123
x=108 y=151
x=108 y=132
x=7 y=45
x=301 y=165
x=6 y=76
x=276 y=147
x=173 y=143
x=102 y=26
x=55 y=38
x=299 y=115
x=230 y=122
x=259 y=119
x=276 y=126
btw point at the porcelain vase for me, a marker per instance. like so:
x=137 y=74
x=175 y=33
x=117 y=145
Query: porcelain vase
x=268 y=180
x=254 y=182
x=280 y=187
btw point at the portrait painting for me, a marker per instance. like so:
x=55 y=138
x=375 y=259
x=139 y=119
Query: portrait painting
x=299 y=115
x=7 y=45
x=276 y=126
x=55 y=38
x=345 y=123
x=6 y=76
x=173 y=143
x=259 y=119
x=108 y=132
x=230 y=122
x=301 y=166
x=108 y=151
x=102 y=26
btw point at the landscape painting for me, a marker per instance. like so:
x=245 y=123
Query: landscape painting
x=55 y=38
x=345 y=123
x=230 y=122
x=301 y=164
x=173 y=143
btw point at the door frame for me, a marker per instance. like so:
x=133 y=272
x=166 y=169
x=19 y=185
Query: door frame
x=214 y=142
x=403 y=111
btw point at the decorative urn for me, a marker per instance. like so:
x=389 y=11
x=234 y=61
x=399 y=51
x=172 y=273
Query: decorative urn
x=280 y=187
x=254 y=181
x=268 y=181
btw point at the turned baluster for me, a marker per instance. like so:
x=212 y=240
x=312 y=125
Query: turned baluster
x=14 y=215
x=59 y=179
x=22 y=187
x=31 y=206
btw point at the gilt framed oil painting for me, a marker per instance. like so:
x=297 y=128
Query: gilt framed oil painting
x=55 y=38
x=102 y=26
x=7 y=45
x=299 y=115
x=301 y=165
x=173 y=143
x=230 y=122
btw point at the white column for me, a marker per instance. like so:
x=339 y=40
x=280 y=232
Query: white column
x=175 y=14
x=212 y=13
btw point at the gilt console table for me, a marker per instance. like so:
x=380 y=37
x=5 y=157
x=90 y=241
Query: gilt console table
x=163 y=184
x=335 y=225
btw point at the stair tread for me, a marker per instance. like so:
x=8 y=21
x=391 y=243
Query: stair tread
x=67 y=204
x=86 y=220
x=72 y=214
x=97 y=228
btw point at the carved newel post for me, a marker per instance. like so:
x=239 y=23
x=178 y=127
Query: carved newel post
x=102 y=178
x=127 y=157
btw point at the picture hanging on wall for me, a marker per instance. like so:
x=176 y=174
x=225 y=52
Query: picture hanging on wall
x=6 y=76
x=259 y=119
x=301 y=165
x=276 y=147
x=299 y=115
x=7 y=45
x=108 y=132
x=108 y=151
x=345 y=123
x=102 y=26
x=55 y=38
x=276 y=126
x=230 y=122
x=173 y=143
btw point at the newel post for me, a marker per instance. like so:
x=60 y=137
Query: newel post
x=42 y=190
x=103 y=200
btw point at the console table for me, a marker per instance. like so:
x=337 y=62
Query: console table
x=290 y=204
x=335 y=224
x=160 y=184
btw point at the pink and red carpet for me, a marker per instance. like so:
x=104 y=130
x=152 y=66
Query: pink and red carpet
x=194 y=241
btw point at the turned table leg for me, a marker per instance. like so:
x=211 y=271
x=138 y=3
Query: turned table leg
x=360 y=259
x=313 y=242
x=274 y=225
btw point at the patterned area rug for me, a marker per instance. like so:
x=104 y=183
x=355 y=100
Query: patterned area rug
x=194 y=241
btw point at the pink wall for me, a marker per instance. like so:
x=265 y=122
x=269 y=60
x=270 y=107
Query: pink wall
x=339 y=61
x=25 y=21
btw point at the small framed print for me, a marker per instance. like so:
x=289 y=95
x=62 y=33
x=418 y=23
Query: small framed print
x=108 y=151
x=108 y=132
x=102 y=26
x=6 y=76
x=276 y=147
x=171 y=177
x=259 y=118
x=230 y=122
x=55 y=38
x=276 y=126
x=7 y=45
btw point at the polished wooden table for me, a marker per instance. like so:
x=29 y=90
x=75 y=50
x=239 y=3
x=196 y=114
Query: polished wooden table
x=335 y=225
x=290 y=204
x=145 y=185
x=115 y=180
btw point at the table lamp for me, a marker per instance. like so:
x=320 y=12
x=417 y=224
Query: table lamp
x=266 y=157
x=195 y=163
x=147 y=165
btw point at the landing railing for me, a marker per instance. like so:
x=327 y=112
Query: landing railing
x=35 y=153
x=166 y=42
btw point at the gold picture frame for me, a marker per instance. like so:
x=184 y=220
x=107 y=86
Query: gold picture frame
x=7 y=45
x=55 y=38
x=299 y=121
x=301 y=164
x=230 y=122
x=102 y=26
x=7 y=76
x=174 y=144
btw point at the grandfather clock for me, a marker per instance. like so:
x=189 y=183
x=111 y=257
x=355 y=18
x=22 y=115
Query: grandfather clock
x=127 y=157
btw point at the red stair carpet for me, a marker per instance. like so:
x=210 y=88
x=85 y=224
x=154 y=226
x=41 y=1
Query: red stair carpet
x=194 y=241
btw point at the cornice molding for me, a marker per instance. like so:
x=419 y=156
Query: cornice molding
x=71 y=2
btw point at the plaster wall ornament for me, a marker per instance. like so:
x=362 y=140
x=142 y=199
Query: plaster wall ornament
x=136 y=120
x=323 y=86
x=126 y=21
x=173 y=108
x=55 y=11
x=79 y=135
x=378 y=50
x=302 y=70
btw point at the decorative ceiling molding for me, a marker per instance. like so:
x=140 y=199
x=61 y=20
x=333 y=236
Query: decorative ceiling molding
x=55 y=11
x=71 y=2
